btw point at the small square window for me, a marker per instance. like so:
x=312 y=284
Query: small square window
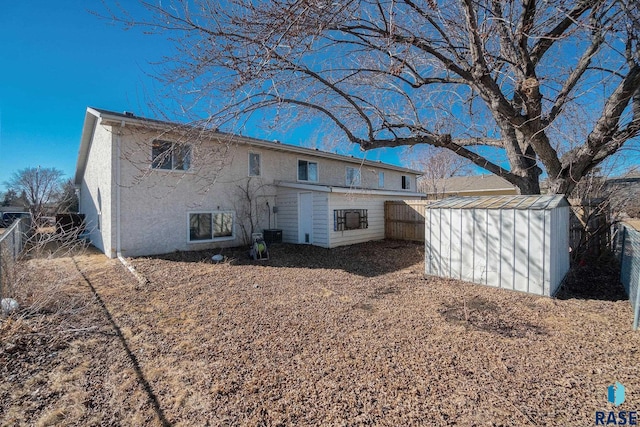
x=353 y=177
x=222 y=225
x=406 y=182
x=350 y=219
x=254 y=164
x=307 y=171
x=170 y=156
x=200 y=227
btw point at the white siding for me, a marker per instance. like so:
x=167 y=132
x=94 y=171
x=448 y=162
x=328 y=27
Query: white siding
x=322 y=219
x=287 y=216
x=525 y=250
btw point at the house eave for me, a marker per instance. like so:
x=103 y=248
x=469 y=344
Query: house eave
x=347 y=190
x=90 y=121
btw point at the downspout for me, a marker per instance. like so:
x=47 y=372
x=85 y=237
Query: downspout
x=141 y=279
x=118 y=176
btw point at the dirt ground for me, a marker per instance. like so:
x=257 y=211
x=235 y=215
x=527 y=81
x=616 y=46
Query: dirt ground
x=341 y=337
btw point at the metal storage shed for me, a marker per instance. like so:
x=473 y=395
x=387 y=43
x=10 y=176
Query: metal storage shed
x=511 y=242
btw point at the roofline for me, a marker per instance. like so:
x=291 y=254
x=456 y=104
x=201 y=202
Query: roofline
x=346 y=190
x=88 y=128
x=445 y=191
x=118 y=118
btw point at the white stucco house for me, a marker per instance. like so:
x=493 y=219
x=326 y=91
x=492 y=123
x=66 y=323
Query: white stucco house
x=151 y=187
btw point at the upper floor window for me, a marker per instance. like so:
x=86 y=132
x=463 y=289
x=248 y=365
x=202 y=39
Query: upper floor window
x=406 y=182
x=307 y=171
x=170 y=156
x=380 y=179
x=254 y=164
x=353 y=177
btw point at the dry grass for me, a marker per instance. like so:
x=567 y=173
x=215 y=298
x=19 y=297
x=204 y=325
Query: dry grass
x=350 y=336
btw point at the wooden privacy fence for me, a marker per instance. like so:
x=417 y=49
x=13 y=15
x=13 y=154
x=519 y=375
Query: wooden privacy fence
x=404 y=219
x=589 y=224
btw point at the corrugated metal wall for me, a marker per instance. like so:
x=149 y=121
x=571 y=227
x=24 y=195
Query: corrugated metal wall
x=520 y=249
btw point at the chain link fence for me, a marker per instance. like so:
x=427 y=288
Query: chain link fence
x=627 y=247
x=12 y=243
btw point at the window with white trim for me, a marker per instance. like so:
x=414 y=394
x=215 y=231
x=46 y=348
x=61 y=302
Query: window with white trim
x=211 y=226
x=170 y=156
x=254 y=164
x=353 y=177
x=350 y=219
x=406 y=182
x=380 y=179
x=307 y=171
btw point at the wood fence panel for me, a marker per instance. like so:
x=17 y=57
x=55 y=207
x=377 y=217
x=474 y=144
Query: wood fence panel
x=590 y=232
x=404 y=219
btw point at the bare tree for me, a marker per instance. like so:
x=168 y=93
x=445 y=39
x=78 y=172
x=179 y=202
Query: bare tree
x=250 y=203
x=552 y=86
x=68 y=200
x=436 y=164
x=40 y=186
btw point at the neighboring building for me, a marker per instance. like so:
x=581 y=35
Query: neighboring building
x=479 y=185
x=624 y=194
x=12 y=209
x=150 y=187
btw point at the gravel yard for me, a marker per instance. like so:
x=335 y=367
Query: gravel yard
x=348 y=336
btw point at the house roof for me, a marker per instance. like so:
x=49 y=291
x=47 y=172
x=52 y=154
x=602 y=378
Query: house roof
x=478 y=183
x=535 y=202
x=347 y=190
x=95 y=115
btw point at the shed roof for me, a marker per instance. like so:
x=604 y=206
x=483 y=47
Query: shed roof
x=536 y=202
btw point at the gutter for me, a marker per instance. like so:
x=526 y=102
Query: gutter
x=347 y=190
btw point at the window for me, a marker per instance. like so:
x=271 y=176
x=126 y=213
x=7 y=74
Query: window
x=307 y=171
x=380 y=179
x=350 y=219
x=170 y=156
x=209 y=226
x=406 y=182
x=353 y=177
x=254 y=164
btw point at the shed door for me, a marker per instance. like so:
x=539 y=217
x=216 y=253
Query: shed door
x=305 y=218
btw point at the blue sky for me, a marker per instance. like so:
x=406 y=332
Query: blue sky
x=57 y=59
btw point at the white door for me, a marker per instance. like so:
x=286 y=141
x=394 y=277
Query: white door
x=305 y=218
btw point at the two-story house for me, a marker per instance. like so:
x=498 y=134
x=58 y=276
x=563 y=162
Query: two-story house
x=151 y=187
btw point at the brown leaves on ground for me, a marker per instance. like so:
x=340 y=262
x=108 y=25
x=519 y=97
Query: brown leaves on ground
x=348 y=336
